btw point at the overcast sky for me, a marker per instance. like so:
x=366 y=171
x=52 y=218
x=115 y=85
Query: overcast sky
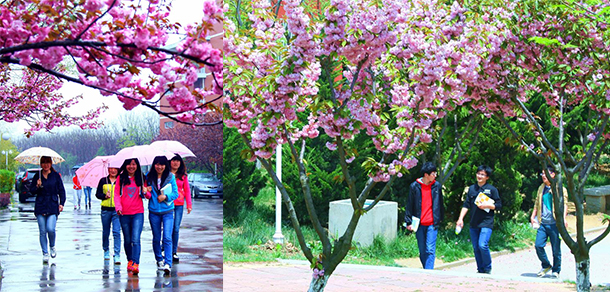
x=183 y=11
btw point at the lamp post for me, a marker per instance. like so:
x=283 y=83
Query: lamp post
x=278 y=237
x=7 y=152
x=6 y=137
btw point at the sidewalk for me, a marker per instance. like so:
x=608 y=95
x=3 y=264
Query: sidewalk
x=511 y=272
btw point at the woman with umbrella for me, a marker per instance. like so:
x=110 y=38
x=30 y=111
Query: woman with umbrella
x=128 y=203
x=162 y=185
x=50 y=200
x=105 y=192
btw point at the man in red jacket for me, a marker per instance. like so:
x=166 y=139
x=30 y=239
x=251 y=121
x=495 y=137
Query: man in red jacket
x=425 y=203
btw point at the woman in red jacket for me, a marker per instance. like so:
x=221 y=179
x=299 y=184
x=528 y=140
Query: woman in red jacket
x=178 y=168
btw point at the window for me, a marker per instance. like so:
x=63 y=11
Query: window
x=169 y=125
x=199 y=83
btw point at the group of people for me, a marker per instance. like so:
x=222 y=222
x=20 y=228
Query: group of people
x=122 y=194
x=425 y=211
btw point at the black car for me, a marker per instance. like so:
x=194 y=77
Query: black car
x=24 y=184
x=18 y=177
x=205 y=185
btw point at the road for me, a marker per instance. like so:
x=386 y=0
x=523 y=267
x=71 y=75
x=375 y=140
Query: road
x=79 y=265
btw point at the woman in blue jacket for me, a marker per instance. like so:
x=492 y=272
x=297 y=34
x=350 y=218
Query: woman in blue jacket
x=50 y=200
x=162 y=186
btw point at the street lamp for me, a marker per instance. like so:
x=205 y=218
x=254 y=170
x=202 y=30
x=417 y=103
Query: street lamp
x=7 y=152
x=6 y=136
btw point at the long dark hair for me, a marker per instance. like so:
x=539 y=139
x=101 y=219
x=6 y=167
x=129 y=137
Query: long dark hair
x=151 y=177
x=181 y=172
x=124 y=177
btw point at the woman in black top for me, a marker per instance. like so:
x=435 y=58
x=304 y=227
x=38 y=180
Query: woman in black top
x=50 y=200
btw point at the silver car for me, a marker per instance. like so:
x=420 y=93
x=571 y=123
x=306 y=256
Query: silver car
x=204 y=185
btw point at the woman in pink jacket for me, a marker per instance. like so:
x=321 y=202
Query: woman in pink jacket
x=128 y=194
x=178 y=168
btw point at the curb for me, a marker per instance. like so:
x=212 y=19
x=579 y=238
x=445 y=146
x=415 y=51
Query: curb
x=503 y=252
x=429 y=272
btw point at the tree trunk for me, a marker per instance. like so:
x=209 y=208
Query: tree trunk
x=582 y=275
x=318 y=285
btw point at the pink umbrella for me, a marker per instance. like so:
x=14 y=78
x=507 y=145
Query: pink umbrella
x=173 y=147
x=91 y=173
x=144 y=153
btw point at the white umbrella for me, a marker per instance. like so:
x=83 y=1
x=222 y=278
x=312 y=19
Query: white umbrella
x=33 y=155
x=173 y=147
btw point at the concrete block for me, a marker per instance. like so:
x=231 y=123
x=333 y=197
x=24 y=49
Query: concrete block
x=597 y=198
x=382 y=220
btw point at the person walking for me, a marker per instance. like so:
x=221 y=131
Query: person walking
x=87 y=190
x=178 y=169
x=162 y=186
x=78 y=191
x=425 y=203
x=50 y=200
x=482 y=200
x=110 y=218
x=128 y=195
x=544 y=217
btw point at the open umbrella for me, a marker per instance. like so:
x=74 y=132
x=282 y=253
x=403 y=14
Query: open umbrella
x=33 y=155
x=91 y=173
x=173 y=147
x=144 y=153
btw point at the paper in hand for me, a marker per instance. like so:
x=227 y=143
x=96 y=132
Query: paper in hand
x=483 y=199
x=167 y=188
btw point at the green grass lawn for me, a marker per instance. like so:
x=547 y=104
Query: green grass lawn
x=250 y=239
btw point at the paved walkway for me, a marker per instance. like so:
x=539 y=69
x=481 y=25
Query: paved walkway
x=79 y=265
x=511 y=272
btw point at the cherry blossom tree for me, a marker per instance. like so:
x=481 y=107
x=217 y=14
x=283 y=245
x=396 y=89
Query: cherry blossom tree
x=557 y=49
x=387 y=69
x=117 y=47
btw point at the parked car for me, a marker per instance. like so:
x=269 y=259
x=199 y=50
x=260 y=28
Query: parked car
x=18 y=177
x=24 y=184
x=205 y=185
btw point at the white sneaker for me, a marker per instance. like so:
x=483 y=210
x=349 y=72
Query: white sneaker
x=160 y=265
x=167 y=269
x=543 y=271
x=555 y=275
x=45 y=258
x=53 y=252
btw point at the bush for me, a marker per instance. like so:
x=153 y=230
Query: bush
x=7 y=181
x=242 y=180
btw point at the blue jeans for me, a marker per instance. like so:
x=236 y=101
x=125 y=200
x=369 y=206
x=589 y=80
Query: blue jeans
x=426 y=241
x=165 y=222
x=46 y=226
x=108 y=218
x=549 y=231
x=87 y=195
x=77 y=196
x=132 y=229
x=178 y=211
x=480 y=243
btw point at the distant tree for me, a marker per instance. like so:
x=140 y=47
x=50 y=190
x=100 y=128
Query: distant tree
x=204 y=142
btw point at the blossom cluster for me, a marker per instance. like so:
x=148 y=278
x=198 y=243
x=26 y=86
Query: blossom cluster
x=117 y=47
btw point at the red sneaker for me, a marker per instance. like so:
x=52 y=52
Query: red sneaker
x=136 y=269
x=130 y=266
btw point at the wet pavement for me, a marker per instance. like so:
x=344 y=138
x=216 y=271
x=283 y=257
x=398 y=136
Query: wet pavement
x=79 y=265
